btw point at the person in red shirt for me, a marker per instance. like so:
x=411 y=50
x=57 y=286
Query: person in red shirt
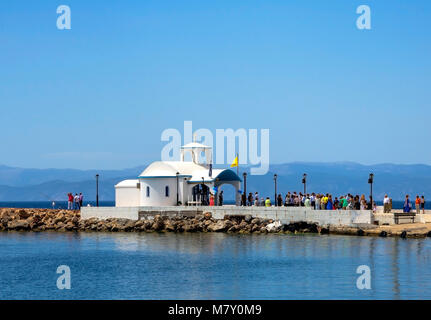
x=418 y=205
x=70 y=201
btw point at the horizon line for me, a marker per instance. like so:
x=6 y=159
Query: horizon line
x=216 y=166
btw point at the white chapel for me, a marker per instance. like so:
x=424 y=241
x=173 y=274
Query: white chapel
x=170 y=183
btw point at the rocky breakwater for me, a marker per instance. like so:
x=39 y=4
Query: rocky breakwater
x=39 y=220
x=199 y=223
x=62 y=220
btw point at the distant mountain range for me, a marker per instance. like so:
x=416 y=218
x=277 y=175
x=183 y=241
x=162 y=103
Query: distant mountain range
x=17 y=184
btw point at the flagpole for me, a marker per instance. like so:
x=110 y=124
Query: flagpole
x=237 y=167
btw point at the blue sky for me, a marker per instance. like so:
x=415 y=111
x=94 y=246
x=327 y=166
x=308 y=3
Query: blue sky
x=100 y=95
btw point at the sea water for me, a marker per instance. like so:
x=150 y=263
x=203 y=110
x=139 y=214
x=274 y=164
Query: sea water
x=211 y=266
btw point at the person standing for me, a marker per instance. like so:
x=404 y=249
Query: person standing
x=256 y=199
x=407 y=206
x=307 y=202
x=69 y=201
x=243 y=200
x=345 y=203
x=250 y=199
x=81 y=199
x=279 y=201
x=211 y=200
x=267 y=202
x=386 y=204
x=336 y=204
x=363 y=203
x=76 y=207
x=317 y=202
x=220 y=198
x=329 y=203
x=323 y=201
x=418 y=204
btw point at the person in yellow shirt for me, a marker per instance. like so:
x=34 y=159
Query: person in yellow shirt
x=324 y=201
x=267 y=202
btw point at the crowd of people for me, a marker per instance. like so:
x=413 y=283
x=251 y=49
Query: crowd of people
x=328 y=202
x=316 y=201
x=74 y=202
x=419 y=204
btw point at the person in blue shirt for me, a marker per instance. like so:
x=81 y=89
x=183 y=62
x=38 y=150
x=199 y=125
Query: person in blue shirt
x=407 y=205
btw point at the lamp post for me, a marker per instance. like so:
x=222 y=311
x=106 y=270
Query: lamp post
x=304 y=181
x=275 y=189
x=203 y=198
x=245 y=183
x=97 y=190
x=244 y=196
x=177 y=174
x=370 y=181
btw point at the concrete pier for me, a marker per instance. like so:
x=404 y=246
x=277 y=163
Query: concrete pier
x=286 y=215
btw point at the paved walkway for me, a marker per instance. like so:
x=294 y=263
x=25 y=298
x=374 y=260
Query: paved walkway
x=409 y=230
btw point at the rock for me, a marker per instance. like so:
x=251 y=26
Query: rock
x=255 y=228
x=255 y=221
x=200 y=217
x=403 y=234
x=123 y=222
x=274 y=226
x=243 y=225
x=234 y=228
x=139 y=224
x=157 y=225
x=170 y=226
x=360 y=232
x=24 y=214
x=190 y=227
x=148 y=224
x=18 y=225
x=324 y=231
x=248 y=218
x=207 y=215
x=129 y=226
x=219 y=226
x=158 y=218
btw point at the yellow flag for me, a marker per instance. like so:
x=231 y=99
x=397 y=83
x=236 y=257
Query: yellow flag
x=235 y=162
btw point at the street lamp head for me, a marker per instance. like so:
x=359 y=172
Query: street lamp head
x=244 y=174
x=275 y=176
x=304 y=177
x=371 y=178
x=177 y=173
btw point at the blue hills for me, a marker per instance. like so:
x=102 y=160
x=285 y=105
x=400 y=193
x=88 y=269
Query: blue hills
x=19 y=184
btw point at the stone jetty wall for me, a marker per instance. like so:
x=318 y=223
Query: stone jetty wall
x=63 y=220
x=286 y=215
